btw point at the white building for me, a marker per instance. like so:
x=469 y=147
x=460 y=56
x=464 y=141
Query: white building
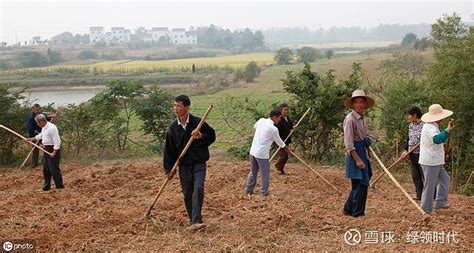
x=180 y=36
x=160 y=34
x=97 y=34
x=120 y=35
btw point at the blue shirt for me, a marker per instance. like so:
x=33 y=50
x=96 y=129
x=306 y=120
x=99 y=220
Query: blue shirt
x=33 y=128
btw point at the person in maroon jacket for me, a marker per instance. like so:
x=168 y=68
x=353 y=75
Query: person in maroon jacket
x=284 y=128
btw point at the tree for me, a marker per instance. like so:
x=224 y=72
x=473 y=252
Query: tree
x=408 y=40
x=81 y=130
x=155 y=110
x=307 y=54
x=88 y=54
x=421 y=44
x=13 y=115
x=54 y=57
x=252 y=70
x=329 y=53
x=239 y=114
x=250 y=41
x=81 y=39
x=29 y=59
x=320 y=134
x=64 y=38
x=409 y=65
x=451 y=78
x=114 y=106
x=399 y=94
x=283 y=56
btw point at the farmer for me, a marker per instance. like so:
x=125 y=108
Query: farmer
x=284 y=128
x=432 y=158
x=356 y=143
x=49 y=136
x=192 y=168
x=414 y=133
x=265 y=134
x=34 y=129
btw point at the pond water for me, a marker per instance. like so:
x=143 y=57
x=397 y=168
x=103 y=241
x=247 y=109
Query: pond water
x=61 y=97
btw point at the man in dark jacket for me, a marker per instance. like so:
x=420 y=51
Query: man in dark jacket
x=284 y=128
x=34 y=129
x=192 y=168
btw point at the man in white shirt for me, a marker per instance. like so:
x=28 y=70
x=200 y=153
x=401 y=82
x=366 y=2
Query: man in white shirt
x=52 y=143
x=265 y=134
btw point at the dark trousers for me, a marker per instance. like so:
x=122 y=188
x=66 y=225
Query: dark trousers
x=416 y=174
x=355 y=204
x=282 y=159
x=35 y=156
x=51 y=169
x=192 y=179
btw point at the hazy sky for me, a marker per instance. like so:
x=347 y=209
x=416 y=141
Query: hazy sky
x=23 y=19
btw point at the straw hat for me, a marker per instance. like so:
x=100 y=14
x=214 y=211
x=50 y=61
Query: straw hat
x=357 y=94
x=436 y=113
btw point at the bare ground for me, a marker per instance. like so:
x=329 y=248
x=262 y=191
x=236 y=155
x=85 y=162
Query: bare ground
x=103 y=207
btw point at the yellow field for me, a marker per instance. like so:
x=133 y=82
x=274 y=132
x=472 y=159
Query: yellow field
x=232 y=61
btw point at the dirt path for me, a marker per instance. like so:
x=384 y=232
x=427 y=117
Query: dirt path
x=103 y=205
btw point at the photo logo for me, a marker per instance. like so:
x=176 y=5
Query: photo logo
x=352 y=237
x=7 y=246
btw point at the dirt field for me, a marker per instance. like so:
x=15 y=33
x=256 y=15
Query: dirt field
x=103 y=206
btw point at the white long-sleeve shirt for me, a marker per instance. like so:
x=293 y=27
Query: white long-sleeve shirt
x=50 y=136
x=431 y=154
x=265 y=134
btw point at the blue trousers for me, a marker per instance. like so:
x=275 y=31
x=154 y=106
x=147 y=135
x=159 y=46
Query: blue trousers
x=355 y=204
x=192 y=179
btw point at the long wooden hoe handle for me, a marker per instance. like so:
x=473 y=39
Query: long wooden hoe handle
x=393 y=164
x=176 y=164
x=396 y=183
x=315 y=172
x=291 y=132
x=27 y=157
x=24 y=138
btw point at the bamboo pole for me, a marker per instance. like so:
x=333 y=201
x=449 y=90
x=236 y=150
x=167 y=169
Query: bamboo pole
x=393 y=164
x=27 y=157
x=315 y=172
x=176 y=164
x=24 y=138
x=291 y=132
x=397 y=184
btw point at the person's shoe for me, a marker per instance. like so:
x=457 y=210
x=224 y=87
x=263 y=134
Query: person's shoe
x=416 y=198
x=282 y=172
x=249 y=195
x=441 y=207
x=60 y=187
x=45 y=189
x=196 y=226
x=345 y=212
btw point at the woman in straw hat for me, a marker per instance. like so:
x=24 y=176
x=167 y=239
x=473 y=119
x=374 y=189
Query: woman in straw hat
x=357 y=162
x=432 y=158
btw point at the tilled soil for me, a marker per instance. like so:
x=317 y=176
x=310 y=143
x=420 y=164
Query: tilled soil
x=103 y=205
